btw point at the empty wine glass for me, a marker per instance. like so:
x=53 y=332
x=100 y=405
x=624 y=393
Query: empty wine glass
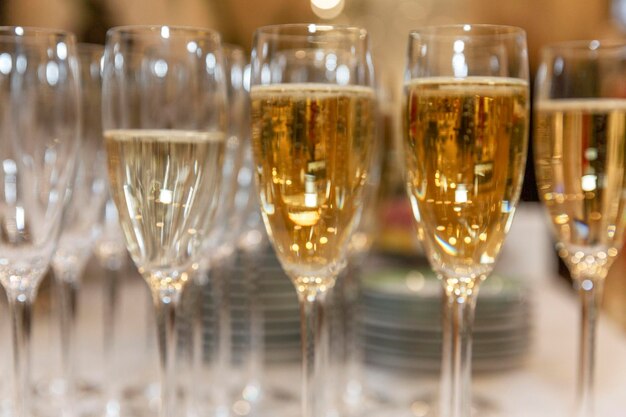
x=164 y=104
x=313 y=113
x=82 y=216
x=218 y=250
x=466 y=122
x=253 y=248
x=112 y=256
x=39 y=122
x=580 y=148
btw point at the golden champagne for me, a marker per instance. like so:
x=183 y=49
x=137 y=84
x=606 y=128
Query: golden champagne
x=312 y=145
x=580 y=149
x=465 y=156
x=165 y=184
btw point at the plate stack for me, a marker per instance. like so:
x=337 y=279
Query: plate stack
x=259 y=286
x=401 y=321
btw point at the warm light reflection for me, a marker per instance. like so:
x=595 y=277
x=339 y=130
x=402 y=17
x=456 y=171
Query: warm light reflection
x=326 y=4
x=327 y=9
x=589 y=182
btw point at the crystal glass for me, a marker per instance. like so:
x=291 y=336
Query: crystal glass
x=251 y=392
x=164 y=104
x=350 y=394
x=218 y=252
x=580 y=150
x=466 y=121
x=39 y=120
x=110 y=250
x=82 y=217
x=313 y=115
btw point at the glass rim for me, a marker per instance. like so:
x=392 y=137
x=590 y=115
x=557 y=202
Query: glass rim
x=585 y=47
x=172 y=31
x=466 y=30
x=33 y=32
x=307 y=31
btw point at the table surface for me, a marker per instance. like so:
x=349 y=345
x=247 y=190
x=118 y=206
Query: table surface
x=544 y=386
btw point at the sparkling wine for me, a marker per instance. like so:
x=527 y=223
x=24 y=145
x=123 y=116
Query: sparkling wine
x=465 y=155
x=312 y=145
x=165 y=184
x=580 y=149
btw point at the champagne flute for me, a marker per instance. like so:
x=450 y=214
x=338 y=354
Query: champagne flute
x=39 y=121
x=313 y=115
x=348 y=391
x=580 y=145
x=164 y=103
x=219 y=248
x=82 y=217
x=351 y=396
x=466 y=122
x=111 y=253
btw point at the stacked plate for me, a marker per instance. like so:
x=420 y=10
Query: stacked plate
x=264 y=308
x=398 y=316
x=401 y=321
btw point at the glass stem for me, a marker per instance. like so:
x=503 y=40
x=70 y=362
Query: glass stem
x=590 y=291
x=220 y=295
x=458 y=318
x=352 y=350
x=166 y=302
x=314 y=337
x=110 y=312
x=67 y=287
x=256 y=344
x=20 y=310
x=197 y=340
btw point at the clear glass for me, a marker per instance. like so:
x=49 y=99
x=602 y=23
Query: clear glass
x=39 y=118
x=580 y=145
x=82 y=216
x=349 y=391
x=313 y=116
x=253 y=248
x=164 y=104
x=110 y=250
x=219 y=249
x=466 y=122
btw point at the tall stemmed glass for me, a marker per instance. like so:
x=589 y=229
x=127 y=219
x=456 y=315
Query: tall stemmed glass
x=39 y=120
x=164 y=103
x=82 y=217
x=313 y=114
x=466 y=122
x=112 y=256
x=351 y=398
x=219 y=248
x=580 y=156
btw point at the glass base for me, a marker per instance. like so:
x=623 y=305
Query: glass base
x=254 y=401
x=365 y=404
x=137 y=401
x=140 y=400
x=48 y=399
x=426 y=405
